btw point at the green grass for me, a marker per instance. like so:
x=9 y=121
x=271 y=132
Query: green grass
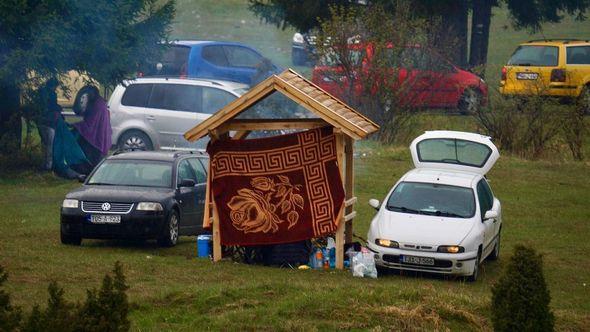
x=545 y=204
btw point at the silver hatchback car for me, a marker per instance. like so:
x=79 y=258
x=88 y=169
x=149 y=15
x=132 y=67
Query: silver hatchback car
x=154 y=113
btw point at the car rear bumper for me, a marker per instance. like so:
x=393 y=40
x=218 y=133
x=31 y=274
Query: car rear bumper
x=143 y=225
x=555 y=89
x=451 y=264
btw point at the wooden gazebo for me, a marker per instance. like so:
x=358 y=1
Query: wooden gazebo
x=348 y=125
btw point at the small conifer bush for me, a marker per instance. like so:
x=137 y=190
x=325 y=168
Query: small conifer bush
x=520 y=299
x=105 y=309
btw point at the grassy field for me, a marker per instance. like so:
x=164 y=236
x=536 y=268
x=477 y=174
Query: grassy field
x=545 y=205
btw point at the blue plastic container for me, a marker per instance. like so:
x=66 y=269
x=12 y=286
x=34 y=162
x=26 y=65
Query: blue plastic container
x=204 y=245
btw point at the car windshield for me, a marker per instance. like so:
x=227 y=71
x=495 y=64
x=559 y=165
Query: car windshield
x=528 y=55
x=141 y=173
x=432 y=199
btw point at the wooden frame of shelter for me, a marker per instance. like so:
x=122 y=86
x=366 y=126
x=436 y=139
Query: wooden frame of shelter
x=347 y=123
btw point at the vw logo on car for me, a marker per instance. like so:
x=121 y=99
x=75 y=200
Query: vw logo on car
x=105 y=206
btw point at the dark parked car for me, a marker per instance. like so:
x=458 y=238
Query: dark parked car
x=141 y=194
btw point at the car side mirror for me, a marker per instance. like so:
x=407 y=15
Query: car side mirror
x=491 y=214
x=374 y=203
x=81 y=178
x=187 y=183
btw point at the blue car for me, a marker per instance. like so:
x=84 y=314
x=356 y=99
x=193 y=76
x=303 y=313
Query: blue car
x=219 y=60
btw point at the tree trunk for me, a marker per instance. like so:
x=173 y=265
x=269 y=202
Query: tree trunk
x=452 y=39
x=480 y=33
x=10 y=121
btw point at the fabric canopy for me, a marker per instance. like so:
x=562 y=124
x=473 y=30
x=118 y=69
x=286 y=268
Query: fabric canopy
x=276 y=190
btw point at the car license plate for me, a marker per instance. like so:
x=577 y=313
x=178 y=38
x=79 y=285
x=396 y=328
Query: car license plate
x=105 y=219
x=417 y=260
x=527 y=76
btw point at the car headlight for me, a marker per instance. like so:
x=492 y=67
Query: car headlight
x=298 y=38
x=387 y=243
x=149 y=206
x=70 y=203
x=451 y=249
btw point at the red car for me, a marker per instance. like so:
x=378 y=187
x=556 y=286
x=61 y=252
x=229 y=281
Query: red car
x=431 y=81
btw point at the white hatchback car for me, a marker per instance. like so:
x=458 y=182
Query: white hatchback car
x=442 y=216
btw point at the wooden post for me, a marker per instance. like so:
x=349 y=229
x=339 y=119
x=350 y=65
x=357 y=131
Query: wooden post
x=216 y=235
x=349 y=185
x=341 y=222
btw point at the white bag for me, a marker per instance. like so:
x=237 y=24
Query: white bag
x=363 y=265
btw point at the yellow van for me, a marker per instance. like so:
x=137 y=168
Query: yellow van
x=549 y=67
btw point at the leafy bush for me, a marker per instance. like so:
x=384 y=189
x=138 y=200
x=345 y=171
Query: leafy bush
x=530 y=126
x=372 y=85
x=520 y=299
x=104 y=310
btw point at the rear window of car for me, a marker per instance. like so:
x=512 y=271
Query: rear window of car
x=175 y=61
x=535 y=55
x=453 y=151
x=136 y=95
x=578 y=55
x=176 y=97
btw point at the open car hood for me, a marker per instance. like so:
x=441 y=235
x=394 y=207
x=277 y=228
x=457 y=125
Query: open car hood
x=454 y=150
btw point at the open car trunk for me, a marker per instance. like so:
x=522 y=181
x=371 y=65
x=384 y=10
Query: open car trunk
x=454 y=150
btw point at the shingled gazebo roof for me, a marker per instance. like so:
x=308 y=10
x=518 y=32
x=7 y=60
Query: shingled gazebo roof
x=300 y=90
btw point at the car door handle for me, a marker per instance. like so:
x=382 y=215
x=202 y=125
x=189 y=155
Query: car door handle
x=151 y=117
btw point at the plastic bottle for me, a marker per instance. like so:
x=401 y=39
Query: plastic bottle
x=326 y=261
x=319 y=258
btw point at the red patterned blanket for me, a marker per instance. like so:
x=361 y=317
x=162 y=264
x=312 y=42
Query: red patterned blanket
x=278 y=189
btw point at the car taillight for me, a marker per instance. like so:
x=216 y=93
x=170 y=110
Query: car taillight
x=558 y=75
x=503 y=73
x=139 y=74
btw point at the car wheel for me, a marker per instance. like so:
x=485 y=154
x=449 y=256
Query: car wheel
x=585 y=99
x=169 y=235
x=469 y=102
x=496 y=253
x=475 y=272
x=135 y=140
x=70 y=239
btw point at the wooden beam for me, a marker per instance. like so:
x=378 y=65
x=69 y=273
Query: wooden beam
x=216 y=236
x=350 y=202
x=272 y=124
x=241 y=134
x=341 y=223
x=349 y=185
x=350 y=216
x=290 y=73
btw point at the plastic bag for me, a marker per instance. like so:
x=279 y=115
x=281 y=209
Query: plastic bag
x=363 y=265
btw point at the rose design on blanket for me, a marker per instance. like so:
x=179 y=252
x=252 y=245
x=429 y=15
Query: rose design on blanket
x=260 y=209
